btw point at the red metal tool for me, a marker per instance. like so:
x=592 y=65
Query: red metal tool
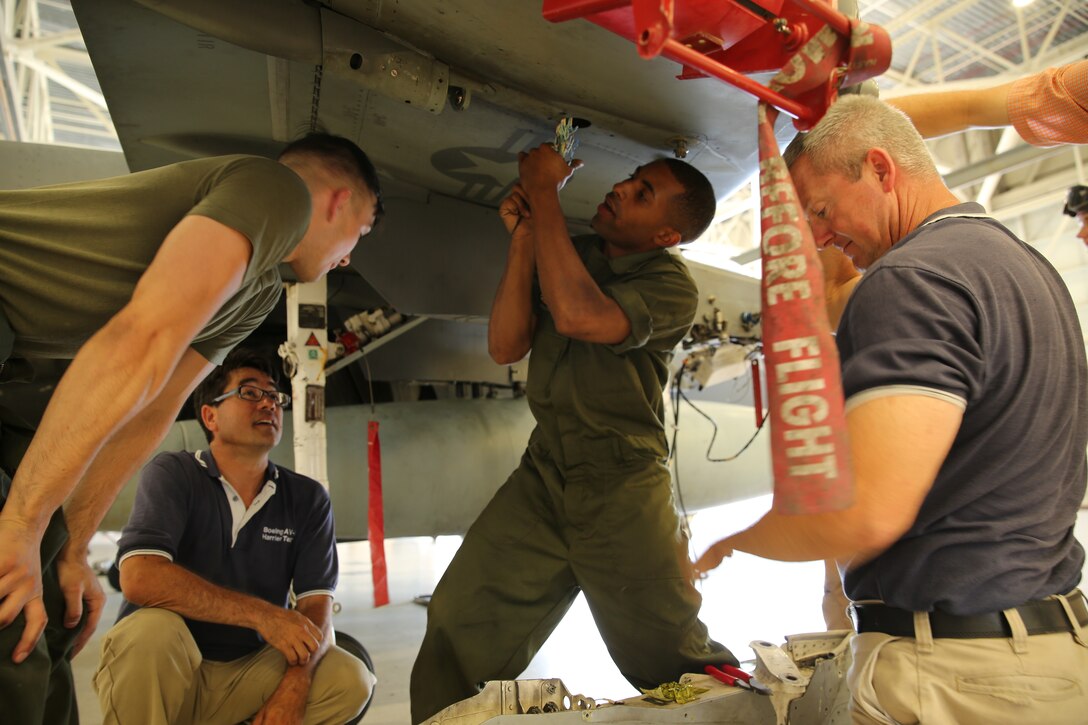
x=736 y=677
x=757 y=392
x=725 y=39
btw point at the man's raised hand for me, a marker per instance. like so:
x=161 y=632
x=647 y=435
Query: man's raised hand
x=514 y=211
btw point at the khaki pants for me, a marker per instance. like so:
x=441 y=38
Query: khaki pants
x=1039 y=679
x=151 y=673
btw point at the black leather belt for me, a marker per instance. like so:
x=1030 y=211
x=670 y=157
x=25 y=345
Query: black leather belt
x=1043 y=616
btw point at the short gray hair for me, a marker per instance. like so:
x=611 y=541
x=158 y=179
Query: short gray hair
x=852 y=126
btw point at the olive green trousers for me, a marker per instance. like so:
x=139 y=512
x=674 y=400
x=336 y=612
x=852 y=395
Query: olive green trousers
x=40 y=691
x=610 y=532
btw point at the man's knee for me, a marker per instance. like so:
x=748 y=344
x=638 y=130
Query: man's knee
x=148 y=660
x=440 y=610
x=150 y=625
x=345 y=683
x=148 y=635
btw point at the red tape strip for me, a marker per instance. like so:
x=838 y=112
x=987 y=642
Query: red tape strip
x=809 y=444
x=376 y=517
x=810 y=450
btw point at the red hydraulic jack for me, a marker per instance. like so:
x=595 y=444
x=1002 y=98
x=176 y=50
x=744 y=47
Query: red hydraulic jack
x=816 y=51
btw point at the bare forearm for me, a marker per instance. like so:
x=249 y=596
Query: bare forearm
x=318 y=609
x=113 y=388
x=294 y=687
x=115 y=464
x=938 y=114
x=126 y=451
x=510 y=329
x=153 y=581
x=834 y=535
x=567 y=286
x=899 y=443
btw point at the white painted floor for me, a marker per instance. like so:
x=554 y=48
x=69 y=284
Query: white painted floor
x=745 y=599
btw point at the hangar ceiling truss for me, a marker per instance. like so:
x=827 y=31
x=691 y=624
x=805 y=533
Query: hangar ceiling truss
x=50 y=93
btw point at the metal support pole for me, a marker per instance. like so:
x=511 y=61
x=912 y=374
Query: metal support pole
x=306 y=350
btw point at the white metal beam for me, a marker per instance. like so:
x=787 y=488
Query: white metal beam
x=1009 y=138
x=52 y=40
x=1027 y=198
x=11 y=117
x=59 y=77
x=33 y=75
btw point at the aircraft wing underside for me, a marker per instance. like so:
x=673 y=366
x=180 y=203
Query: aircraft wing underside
x=176 y=91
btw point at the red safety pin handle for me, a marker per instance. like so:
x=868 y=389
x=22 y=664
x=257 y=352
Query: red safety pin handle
x=735 y=677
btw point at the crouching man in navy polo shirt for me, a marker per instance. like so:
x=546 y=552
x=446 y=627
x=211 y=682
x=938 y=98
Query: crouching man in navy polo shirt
x=215 y=542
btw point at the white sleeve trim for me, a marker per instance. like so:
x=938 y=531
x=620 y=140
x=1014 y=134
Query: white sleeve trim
x=882 y=392
x=314 y=593
x=145 y=552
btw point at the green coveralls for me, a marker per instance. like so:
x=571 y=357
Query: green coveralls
x=589 y=508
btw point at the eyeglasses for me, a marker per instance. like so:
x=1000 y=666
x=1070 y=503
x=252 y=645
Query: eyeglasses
x=253 y=394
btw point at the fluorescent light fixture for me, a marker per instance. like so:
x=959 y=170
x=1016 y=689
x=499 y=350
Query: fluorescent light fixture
x=1021 y=3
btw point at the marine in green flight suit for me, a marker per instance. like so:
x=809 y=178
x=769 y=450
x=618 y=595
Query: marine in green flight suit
x=590 y=507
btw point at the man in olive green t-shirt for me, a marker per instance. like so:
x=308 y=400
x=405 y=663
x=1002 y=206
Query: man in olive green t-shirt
x=590 y=507
x=147 y=281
